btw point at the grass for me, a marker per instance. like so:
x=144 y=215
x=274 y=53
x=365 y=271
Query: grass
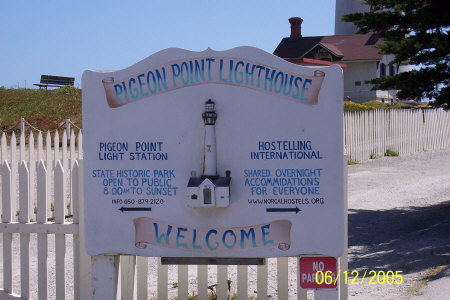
x=390 y=152
x=430 y=274
x=44 y=109
x=351 y=162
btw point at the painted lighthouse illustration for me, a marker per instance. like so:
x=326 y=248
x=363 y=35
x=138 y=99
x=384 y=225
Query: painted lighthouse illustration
x=210 y=189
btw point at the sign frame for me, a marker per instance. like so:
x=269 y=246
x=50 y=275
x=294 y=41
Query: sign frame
x=125 y=95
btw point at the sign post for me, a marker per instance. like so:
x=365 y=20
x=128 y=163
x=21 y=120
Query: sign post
x=214 y=154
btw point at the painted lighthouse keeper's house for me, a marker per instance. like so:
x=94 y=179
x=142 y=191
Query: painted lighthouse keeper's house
x=210 y=189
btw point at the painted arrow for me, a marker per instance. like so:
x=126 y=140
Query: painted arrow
x=296 y=210
x=122 y=209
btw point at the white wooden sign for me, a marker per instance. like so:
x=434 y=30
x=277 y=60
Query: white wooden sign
x=232 y=153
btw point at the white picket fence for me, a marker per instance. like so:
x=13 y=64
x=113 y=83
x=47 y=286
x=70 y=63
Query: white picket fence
x=369 y=134
x=39 y=191
x=42 y=247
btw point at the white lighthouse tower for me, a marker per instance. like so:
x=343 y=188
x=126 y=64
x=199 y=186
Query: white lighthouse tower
x=210 y=189
x=345 y=7
x=210 y=162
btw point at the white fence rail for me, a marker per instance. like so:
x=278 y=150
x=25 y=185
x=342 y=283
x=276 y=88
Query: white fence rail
x=368 y=134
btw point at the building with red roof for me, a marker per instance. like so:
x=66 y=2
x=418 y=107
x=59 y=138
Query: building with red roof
x=357 y=54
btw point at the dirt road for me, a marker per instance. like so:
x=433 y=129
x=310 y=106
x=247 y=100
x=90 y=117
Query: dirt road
x=399 y=220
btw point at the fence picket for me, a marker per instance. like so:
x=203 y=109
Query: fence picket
x=222 y=282
x=80 y=144
x=446 y=132
x=55 y=149
x=437 y=132
x=40 y=148
x=242 y=282
x=4 y=155
x=42 y=190
x=76 y=237
x=60 y=255
x=64 y=156
x=128 y=270
x=22 y=150
x=202 y=282
x=162 y=279
x=60 y=193
x=49 y=170
x=261 y=283
x=282 y=278
x=7 y=218
x=48 y=151
x=42 y=193
x=32 y=176
x=183 y=282
x=72 y=150
x=24 y=217
x=13 y=167
x=302 y=294
x=60 y=238
x=141 y=278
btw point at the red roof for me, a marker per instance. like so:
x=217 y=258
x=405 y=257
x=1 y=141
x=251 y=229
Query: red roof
x=345 y=47
x=313 y=62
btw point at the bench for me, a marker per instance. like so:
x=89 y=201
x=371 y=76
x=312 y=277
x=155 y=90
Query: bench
x=55 y=81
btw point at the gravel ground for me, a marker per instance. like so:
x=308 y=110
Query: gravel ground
x=399 y=220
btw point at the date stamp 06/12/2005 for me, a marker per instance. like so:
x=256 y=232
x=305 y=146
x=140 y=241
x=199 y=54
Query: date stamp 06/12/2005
x=358 y=277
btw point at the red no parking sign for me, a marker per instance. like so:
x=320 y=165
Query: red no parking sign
x=318 y=272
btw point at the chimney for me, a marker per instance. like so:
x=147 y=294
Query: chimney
x=296 y=27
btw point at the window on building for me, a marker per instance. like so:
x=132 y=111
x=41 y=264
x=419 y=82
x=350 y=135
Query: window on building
x=382 y=70
x=391 y=70
x=357 y=83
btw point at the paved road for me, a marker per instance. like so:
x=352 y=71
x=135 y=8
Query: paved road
x=399 y=219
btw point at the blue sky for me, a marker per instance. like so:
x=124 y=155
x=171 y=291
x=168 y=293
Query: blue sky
x=67 y=37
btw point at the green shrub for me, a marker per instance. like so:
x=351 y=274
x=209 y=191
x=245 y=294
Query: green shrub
x=423 y=105
x=354 y=107
x=373 y=156
x=401 y=105
x=374 y=104
x=390 y=152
